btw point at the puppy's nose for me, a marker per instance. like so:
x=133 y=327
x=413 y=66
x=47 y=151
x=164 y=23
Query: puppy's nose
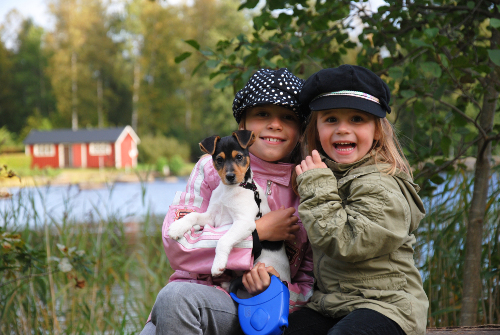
x=230 y=177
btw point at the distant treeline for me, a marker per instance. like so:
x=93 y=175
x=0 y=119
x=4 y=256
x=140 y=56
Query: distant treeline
x=103 y=66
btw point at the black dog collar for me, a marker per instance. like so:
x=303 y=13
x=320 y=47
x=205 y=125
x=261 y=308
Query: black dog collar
x=251 y=186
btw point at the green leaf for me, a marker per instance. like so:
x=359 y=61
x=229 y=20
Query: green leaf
x=470 y=4
x=396 y=73
x=431 y=32
x=439 y=92
x=213 y=63
x=460 y=62
x=193 y=43
x=285 y=52
x=269 y=64
x=421 y=43
x=495 y=23
x=431 y=68
x=419 y=108
x=223 y=83
x=197 y=68
x=408 y=93
x=494 y=56
x=445 y=145
x=248 y=4
x=437 y=179
x=180 y=58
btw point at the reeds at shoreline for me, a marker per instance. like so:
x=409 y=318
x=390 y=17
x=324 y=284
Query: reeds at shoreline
x=113 y=283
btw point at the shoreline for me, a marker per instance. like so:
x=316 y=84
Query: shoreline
x=85 y=179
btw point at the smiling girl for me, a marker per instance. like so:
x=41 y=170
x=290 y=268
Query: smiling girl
x=359 y=206
x=193 y=301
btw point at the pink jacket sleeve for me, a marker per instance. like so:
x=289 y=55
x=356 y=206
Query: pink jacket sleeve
x=195 y=252
x=301 y=287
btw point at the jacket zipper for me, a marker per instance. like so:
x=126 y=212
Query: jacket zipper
x=268 y=189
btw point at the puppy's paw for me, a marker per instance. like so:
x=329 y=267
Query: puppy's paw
x=176 y=230
x=219 y=266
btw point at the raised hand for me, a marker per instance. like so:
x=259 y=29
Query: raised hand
x=311 y=162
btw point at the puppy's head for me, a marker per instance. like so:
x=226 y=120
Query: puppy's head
x=230 y=155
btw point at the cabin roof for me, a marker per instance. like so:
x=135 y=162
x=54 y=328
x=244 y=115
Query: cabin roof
x=77 y=136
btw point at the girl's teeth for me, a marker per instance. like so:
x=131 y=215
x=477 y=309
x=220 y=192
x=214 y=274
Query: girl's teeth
x=272 y=139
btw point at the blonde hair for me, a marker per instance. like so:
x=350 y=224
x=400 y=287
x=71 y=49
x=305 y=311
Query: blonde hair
x=384 y=150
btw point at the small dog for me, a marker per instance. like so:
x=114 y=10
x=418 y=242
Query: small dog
x=238 y=200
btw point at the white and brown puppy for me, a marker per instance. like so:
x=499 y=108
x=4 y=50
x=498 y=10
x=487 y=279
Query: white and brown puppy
x=238 y=200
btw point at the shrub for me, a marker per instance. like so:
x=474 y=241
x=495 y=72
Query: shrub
x=152 y=148
x=176 y=165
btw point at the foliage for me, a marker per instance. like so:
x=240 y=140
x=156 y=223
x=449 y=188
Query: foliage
x=176 y=165
x=8 y=142
x=57 y=289
x=152 y=148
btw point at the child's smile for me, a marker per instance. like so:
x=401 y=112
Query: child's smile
x=346 y=135
x=277 y=131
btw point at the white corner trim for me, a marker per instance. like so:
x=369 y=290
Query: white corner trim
x=118 y=154
x=61 y=155
x=83 y=152
x=128 y=130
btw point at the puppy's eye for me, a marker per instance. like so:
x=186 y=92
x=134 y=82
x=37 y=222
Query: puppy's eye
x=239 y=157
x=219 y=160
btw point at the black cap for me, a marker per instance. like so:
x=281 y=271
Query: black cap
x=346 y=86
x=276 y=87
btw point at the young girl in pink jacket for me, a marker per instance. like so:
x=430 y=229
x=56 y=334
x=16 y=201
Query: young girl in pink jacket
x=193 y=301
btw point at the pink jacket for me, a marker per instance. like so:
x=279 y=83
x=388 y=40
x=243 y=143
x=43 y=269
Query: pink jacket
x=192 y=256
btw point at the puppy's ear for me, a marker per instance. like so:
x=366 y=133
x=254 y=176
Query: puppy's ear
x=245 y=137
x=208 y=145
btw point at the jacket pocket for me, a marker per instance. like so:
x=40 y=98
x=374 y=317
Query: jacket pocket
x=385 y=289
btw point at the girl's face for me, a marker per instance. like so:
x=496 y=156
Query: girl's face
x=346 y=135
x=277 y=130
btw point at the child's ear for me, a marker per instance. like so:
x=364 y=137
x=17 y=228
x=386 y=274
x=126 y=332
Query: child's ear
x=208 y=145
x=244 y=137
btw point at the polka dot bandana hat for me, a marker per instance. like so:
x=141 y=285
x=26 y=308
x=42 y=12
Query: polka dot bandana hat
x=277 y=87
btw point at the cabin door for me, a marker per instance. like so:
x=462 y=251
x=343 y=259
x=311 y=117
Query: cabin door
x=68 y=156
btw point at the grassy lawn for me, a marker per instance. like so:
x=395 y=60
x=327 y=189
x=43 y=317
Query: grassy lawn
x=20 y=164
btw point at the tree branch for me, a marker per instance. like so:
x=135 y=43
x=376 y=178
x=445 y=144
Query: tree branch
x=481 y=130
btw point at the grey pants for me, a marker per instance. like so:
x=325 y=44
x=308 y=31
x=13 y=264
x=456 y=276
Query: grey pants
x=187 y=308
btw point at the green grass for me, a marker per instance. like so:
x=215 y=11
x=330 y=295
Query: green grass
x=119 y=285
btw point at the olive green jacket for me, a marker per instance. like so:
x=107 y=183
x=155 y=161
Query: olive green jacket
x=359 y=222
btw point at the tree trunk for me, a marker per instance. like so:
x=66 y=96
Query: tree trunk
x=135 y=97
x=100 y=118
x=474 y=239
x=74 y=89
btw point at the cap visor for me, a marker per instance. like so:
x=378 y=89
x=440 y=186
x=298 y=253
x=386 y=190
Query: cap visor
x=342 y=101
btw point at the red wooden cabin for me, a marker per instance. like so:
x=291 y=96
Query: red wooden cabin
x=85 y=148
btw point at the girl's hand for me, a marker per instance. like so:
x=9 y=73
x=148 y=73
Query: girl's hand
x=310 y=163
x=258 y=280
x=278 y=225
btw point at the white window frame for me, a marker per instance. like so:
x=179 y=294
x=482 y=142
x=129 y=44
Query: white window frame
x=99 y=149
x=44 y=150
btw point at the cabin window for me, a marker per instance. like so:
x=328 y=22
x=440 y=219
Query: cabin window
x=44 y=150
x=100 y=149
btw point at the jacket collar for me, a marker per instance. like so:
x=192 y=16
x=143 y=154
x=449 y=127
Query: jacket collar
x=341 y=170
x=279 y=173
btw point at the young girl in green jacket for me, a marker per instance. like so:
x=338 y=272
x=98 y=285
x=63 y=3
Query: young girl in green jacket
x=359 y=206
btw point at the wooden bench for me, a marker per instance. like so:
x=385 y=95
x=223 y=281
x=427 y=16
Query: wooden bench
x=484 y=329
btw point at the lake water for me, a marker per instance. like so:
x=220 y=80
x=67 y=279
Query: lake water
x=127 y=201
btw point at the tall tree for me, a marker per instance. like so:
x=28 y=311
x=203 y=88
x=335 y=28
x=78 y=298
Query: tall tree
x=84 y=67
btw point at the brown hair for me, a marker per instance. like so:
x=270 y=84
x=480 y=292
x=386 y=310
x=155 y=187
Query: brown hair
x=384 y=150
